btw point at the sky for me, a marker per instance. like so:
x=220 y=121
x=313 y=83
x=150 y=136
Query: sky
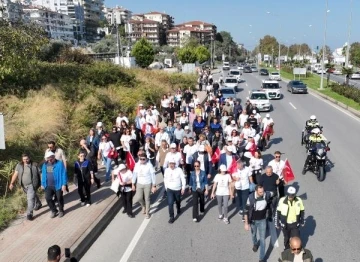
x=249 y=20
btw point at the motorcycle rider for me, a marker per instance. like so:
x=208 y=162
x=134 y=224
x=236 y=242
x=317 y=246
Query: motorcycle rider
x=315 y=137
x=312 y=122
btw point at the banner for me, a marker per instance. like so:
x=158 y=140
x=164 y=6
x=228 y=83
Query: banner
x=287 y=172
x=130 y=161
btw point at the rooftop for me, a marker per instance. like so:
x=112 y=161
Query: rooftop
x=143 y=21
x=155 y=13
x=196 y=22
x=186 y=28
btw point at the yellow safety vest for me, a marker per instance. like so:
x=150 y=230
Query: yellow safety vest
x=290 y=211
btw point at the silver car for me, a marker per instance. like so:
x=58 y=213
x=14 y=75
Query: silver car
x=228 y=92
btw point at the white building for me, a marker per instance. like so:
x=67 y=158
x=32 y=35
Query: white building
x=58 y=26
x=10 y=11
x=117 y=15
x=339 y=58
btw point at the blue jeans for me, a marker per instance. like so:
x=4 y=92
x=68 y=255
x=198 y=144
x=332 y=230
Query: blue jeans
x=108 y=161
x=261 y=226
x=173 y=196
x=242 y=196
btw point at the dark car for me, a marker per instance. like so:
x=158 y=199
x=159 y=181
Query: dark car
x=297 y=87
x=263 y=72
x=247 y=69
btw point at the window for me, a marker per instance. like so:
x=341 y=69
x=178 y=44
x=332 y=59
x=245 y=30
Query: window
x=231 y=80
x=258 y=96
x=227 y=91
x=271 y=86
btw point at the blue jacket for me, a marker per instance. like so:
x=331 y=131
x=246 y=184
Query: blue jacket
x=198 y=127
x=222 y=160
x=95 y=142
x=203 y=180
x=207 y=162
x=60 y=176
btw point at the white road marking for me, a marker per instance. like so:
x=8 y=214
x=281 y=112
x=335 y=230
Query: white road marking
x=246 y=84
x=292 y=105
x=141 y=230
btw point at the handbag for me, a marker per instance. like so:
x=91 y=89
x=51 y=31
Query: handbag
x=113 y=154
x=115 y=185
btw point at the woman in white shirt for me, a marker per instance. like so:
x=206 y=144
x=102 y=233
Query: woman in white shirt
x=243 y=118
x=105 y=147
x=178 y=100
x=184 y=121
x=125 y=177
x=235 y=138
x=256 y=166
x=224 y=118
x=164 y=103
x=222 y=183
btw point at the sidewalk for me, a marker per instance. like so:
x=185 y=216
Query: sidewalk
x=28 y=241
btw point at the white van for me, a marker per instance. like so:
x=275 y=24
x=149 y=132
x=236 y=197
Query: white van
x=315 y=67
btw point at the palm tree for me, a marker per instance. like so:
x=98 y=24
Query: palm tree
x=347 y=71
x=328 y=66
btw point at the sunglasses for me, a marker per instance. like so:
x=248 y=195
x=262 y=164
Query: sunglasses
x=296 y=249
x=196 y=166
x=142 y=159
x=277 y=156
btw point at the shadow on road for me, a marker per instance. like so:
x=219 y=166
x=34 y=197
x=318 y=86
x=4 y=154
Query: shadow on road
x=308 y=230
x=319 y=260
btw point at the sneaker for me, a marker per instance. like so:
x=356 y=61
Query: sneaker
x=226 y=221
x=171 y=220
x=255 y=248
x=88 y=204
x=29 y=217
x=124 y=211
x=201 y=213
x=147 y=216
x=53 y=214
x=37 y=207
x=241 y=212
x=82 y=203
x=131 y=216
x=195 y=220
x=61 y=214
x=220 y=217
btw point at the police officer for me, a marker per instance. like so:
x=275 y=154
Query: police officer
x=312 y=122
x=315 y=137
x=290 y=216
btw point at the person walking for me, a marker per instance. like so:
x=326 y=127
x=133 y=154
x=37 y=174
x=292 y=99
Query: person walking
x=90 y=155
x=53 y=181
x=28 y=175
x=278 y=166
x=125 y=177
x=222 y=182
x=198 y=186
x=255 y=218
x=174 y=182
x=144 y=182
x=160 y=159
x=290 y=215
x=296 y=253
x=104 y=149
x=85 y=178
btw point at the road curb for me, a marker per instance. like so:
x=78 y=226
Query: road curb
x=80 y=247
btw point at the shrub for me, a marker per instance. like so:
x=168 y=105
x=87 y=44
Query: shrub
x=347 y=91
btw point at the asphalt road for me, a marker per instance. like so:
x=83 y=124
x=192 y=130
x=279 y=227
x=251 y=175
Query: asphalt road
x=332 y=209
x=341 y=79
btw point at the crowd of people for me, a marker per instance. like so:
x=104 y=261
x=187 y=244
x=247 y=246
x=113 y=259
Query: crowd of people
x=209 y=149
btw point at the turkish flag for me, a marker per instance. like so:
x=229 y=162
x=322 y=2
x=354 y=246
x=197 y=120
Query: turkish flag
x=216 y=156
x=233 y=167
x=287 y=172
x=130 y=161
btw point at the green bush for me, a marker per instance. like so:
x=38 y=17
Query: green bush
x=347 y=91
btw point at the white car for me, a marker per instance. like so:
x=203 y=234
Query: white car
x=272 y=89
x=240 y=67
x=319 y=71
x=355 y=75
x=260 y=99
x=254 y=69
x=231 y=82
x=275 y=76
x=337 y=72
x=226 y=66
x=235 y=73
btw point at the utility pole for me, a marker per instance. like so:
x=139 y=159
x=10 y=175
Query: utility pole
x=211 y=51
x=229 y=52
x=323 y=51
x=348 y=41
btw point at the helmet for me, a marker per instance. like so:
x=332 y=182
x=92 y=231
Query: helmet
x=315 y=131
x=313 y=117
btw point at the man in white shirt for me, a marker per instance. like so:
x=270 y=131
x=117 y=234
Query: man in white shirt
x=243 y=178
x=189 y=151
x=257 y=116
x=160 y=136
x=150 y=117
x=278 y=166
x=121 y=117
x=230 y=128
x=174 y=182
x=145 y=181
x=266 y=121
x=247 y=132
x=154 y=110
x=173 y=155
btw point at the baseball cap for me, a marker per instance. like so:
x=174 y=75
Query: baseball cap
x=173 y=145
x=172 y=160
x=222 y=168
x=140 y=104
x=49 y=154
x=229 y=139
x=291 y=190
x=254 y=112
x=122 y=167
x=233 y=122
x=267 y=115
x=230 y=148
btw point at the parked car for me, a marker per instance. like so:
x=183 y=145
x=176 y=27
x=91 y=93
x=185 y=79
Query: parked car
x=241 y=67
x=319 y=71
x=247 y=69
x=297 y=87
x=263 y=72
x=226 y=66
x=232 y=82
x=355 y=75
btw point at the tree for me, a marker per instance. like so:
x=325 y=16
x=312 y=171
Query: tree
x=143 y=52
x=347 y=71
x=269 y=45
x=202 y=54
x=187 y=55
x=20 y=45
x=224 y=44
x=355 y=53
x=191 y=42
x=328 y=54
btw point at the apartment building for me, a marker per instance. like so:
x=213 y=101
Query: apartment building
x=58 y=26
x=10 y=11
x=166 y=20
x=194 y=29
x=139 y=27
x=117 y=14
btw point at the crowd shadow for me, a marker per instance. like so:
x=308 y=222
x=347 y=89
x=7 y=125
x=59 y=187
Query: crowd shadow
x=275 y=141
x=308 y=230
x=267 y=158
x=319 y=260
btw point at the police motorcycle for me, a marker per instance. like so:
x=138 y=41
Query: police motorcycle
x=317 y=159
x=309 y=126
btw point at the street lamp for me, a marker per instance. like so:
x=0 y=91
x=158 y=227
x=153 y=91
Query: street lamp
x=348 y=41
x=323 y=51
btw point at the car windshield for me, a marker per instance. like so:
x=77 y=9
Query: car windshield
x=253 y=67
x=227 y=92
x=236 y=73
x=231 y=80
x=271 y=86
x=275 y=74
x=258 y=96
x=226 y=63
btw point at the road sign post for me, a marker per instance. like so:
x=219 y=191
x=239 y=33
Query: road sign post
x=2 y=132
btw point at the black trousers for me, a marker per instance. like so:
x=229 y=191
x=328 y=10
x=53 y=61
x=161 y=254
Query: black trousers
x=198 y=197
x=290 y=230
x=94 y=164
x=84 y=185
x=281 y=189
x=256 y=175
x=127 y=198
x=49 y=194
x=187 y=171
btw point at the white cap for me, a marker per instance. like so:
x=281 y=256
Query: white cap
x=230 y=148
x=99 y=124
x=233 y=122
x=268 y=115
x=229 y=139
x=186 y=128
x=254 y=112
x=173 y=145
x=172 y=160
x=222 y=168
x=315 y=131
x=122 y=167
x=201 y=148
x=49 y=154
x=313 y=117
x=141 y=105
x=291 y=190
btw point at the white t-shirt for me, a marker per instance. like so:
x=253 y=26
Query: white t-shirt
x=165 y=103
x=222 y=187
x=244 y=175
x=105 y=147
x=266 y=121
x=248 y=132
x=125 y=177
x=196 y=101
x=183 y=120
x=126 y=139
x=277 y=167
x=152 y=119
x=256 y=163
x=243 y=118
x=189 y=151
x=119 y=119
